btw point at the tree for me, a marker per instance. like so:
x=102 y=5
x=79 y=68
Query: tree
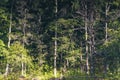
x=59 y=37
x=3 y=53
x=55 y=53
x=17 y=57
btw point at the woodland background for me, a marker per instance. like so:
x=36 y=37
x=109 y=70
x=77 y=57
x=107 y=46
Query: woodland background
x=67 y=39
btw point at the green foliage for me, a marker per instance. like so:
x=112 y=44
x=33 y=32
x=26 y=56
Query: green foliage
x=1 y=77
x=3 y=50
x=33 y=28
x=18 y=53
x=2 y=43
x=75 y=75
x=75 y=5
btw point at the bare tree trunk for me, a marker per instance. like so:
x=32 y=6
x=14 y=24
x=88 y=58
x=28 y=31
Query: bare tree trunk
x=86 y=39
x=9 y=38
x=92 y=51
x=107 y=7
x=24 y=38
x=7 y=69
x=92 y=44
x=81 y=66
x=55 y=56
x=92 y=40
x=22 y=72
x=55 y=53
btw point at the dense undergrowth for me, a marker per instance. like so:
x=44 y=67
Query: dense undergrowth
x=68 y=75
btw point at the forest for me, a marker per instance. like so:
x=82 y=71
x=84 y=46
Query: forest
x=59 y=39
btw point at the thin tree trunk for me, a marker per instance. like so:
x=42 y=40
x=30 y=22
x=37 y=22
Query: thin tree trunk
x=61 y=57
x=24 y=38
x=55 y=53
x=106 y=23
x=55 y=56
x=107 y=7
x=86 y=39
x=9 y=38
x=22 y=72
x=92 y=40
x=7 y=69
x=81 y=66
x=87 y=54
x=92 y=50
x=92 y=44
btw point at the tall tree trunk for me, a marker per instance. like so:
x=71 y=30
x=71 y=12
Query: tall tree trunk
x=91 y=33
x=86 y=39
x=107 y=7
x=92 y=49
x=81 y=66
x=86 y=48
x=24 y=38
x=7 y=69
x=55 y=52
x=9 y=38
x=22 y=72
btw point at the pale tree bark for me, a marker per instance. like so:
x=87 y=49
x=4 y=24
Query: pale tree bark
x=81 y=59
x=86 y=39
x=107 y=7
x=23 y=72
x=9 y=38
x=84 y=14
x=7 y=69
x=55 y=42
x=86 y=48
